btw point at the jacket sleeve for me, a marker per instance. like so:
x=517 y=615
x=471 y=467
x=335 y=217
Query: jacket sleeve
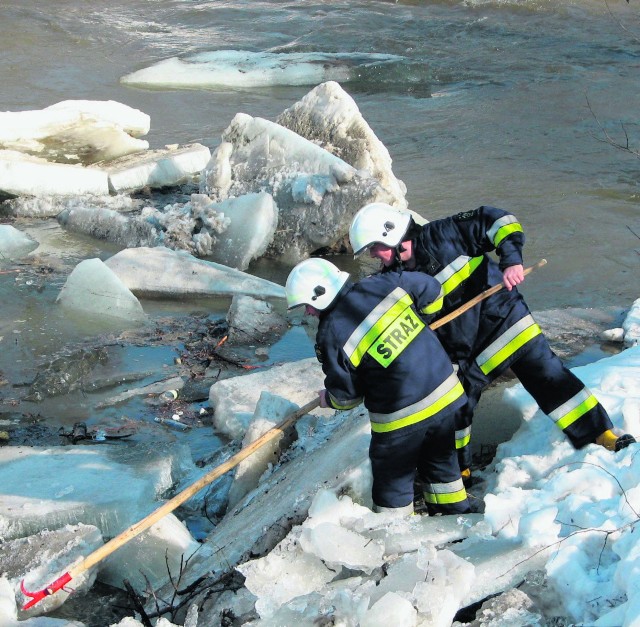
x=424 y=289
x=341 y=380
x=487 y=228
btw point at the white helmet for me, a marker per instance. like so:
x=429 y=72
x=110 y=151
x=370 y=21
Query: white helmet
x=314 y=282
x=378 y=223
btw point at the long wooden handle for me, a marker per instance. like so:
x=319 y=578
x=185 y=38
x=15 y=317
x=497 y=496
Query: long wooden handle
x=130 y=533
x=142 y=525
x=480 y=297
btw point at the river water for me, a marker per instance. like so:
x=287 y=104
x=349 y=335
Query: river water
x=504 y=103
x=497 y=103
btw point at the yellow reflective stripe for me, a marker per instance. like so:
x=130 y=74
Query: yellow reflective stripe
x=507 y=344
x=457 y=272
x=444 y=493
x=342 y=405
x=396 y=337
x=503 y=227
x=463 y=437
x=383 y=427
x=372 y=326
x=505 y=231
x=445 y=499
x=579 y=411
x=574 y=408
x=435 y=306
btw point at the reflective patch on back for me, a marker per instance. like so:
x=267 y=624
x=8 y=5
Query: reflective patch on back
x=396 y=337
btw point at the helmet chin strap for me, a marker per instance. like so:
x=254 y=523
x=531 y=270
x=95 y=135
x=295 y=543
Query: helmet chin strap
x=398 y=250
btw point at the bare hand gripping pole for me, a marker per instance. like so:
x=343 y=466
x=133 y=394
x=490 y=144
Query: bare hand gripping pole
x=480 y=297
x=142 y=525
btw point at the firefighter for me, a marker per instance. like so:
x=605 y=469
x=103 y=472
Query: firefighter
x=375 y=347
x=496 y=334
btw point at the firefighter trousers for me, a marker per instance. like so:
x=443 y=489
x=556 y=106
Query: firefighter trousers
x=557 y=391
x=428 y=449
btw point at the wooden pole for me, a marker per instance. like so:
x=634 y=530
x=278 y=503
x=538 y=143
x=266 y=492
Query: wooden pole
x=142 y=525
x=128 y=534
x=480 y=297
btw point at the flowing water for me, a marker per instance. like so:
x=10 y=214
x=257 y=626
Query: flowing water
x=513 y=103
x=496 y=103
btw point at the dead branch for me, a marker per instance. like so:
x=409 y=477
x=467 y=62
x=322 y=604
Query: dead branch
x=607 y=139
x=584 y=529
x=619 y=23
x=137 y=603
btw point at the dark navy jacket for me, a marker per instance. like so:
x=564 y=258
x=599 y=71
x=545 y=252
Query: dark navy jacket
x=454 y=251
x=374 y=345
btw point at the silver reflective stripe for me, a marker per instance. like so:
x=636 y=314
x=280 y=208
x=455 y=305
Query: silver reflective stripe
x=367 y=324
x=504 y=339
x=498 y=224
x=407 y=510
x=446 y=386
x=444 y=488
x=455 y=266
x=454 y=275
x=463 y=433
x=344 y=403
x=570 y=405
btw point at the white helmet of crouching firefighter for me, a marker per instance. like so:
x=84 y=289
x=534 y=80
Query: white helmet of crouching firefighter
x=314 y=282
x=378 y=223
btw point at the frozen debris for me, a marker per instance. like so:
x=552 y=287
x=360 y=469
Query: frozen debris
x=509 y=609
x=128 y=621
x=329 y=117
x=167 y=273
x=613 y=335
x=166 y=167
x=404 y=535
x=52 y=206
x=193 y=226
x=253 y=219
x=338 y=547
x=151 y=559
x=269 y=411
x=427 y=585
x=500 y=564
x=132 y=121
x=257 y=524
x=283 y=575
x=253 y=321
x=75 y=131
x=42 y=558
x=82 y=484
x=247 y=69
x=631 y=325
x=391 y=609
x=25 y=175
x=109 y=224
x=15 y=244
x=93 y=288
x=234 y=400
x=317 y=193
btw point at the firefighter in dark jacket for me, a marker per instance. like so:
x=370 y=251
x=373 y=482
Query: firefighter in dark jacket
x=496 y=334
x=375 y=347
